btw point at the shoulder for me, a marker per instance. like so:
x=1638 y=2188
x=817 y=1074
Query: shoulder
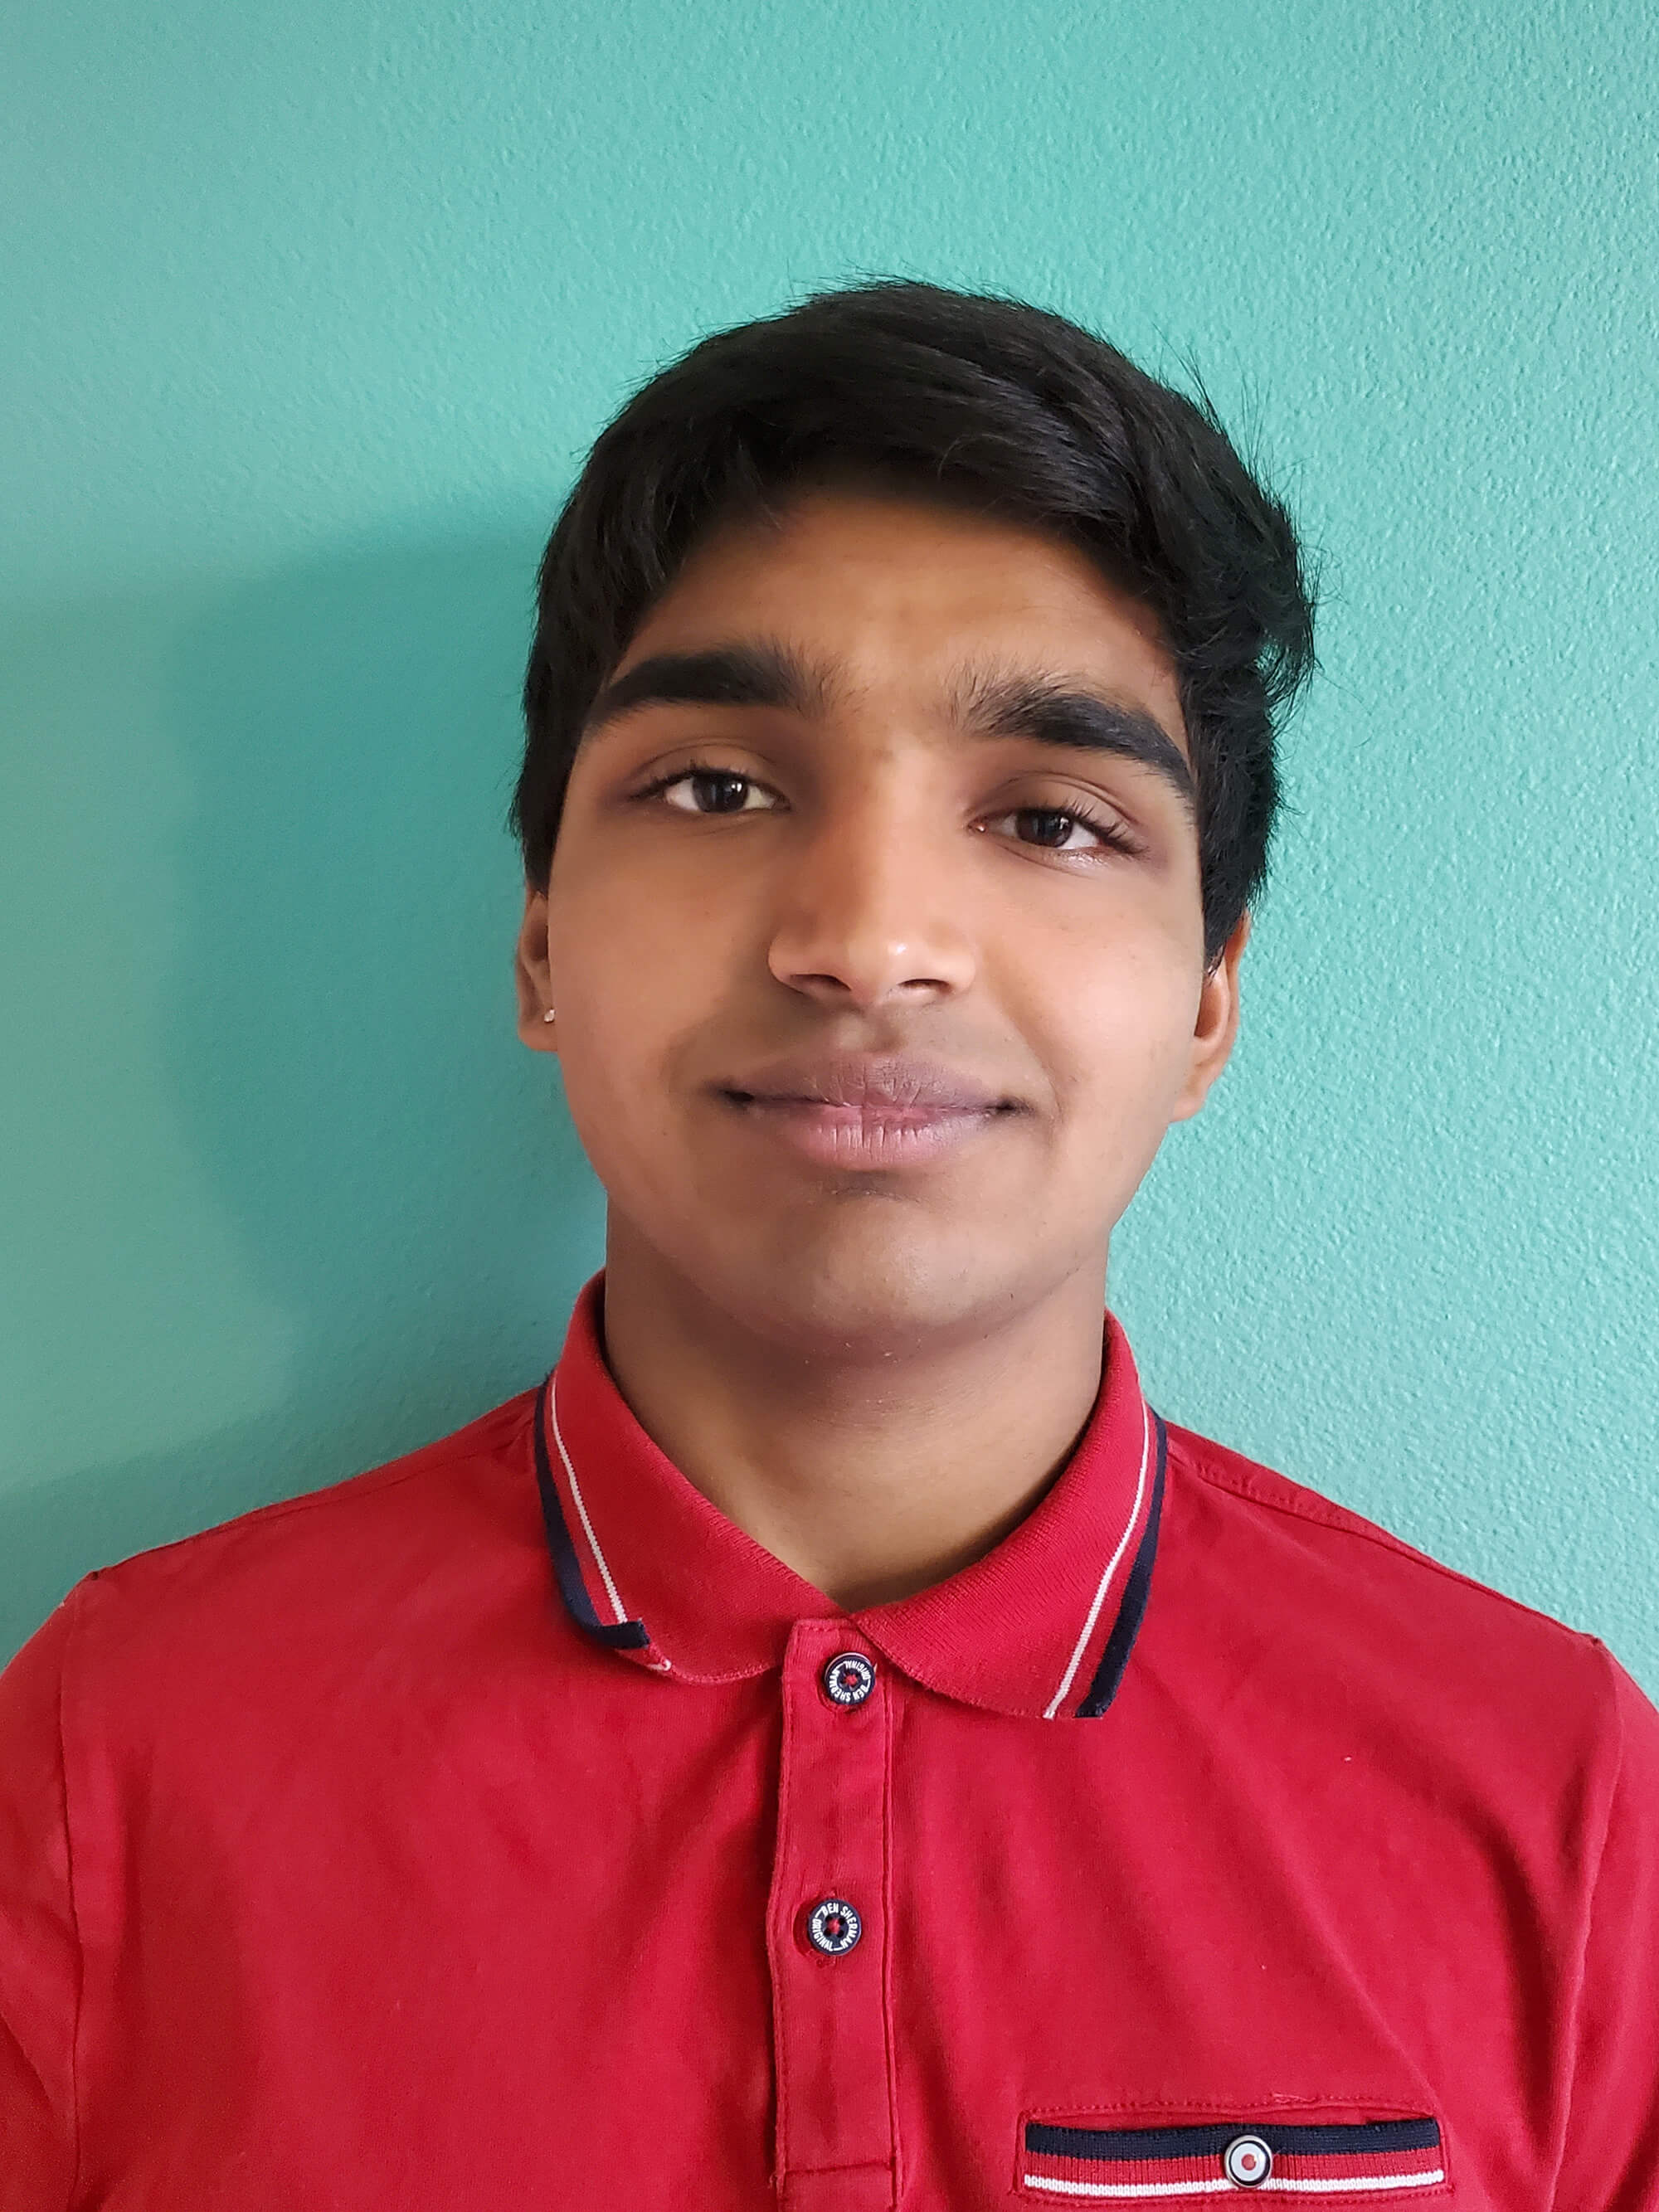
x=1322 y=1609
x=1329 y=1550
x=409 y=1550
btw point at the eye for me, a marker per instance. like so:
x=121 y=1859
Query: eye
x=1060 y=830
x=714 y=791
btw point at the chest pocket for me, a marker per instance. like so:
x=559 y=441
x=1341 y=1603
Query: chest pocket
x=1341 y=2161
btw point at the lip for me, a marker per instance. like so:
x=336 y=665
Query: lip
x=865 y=1111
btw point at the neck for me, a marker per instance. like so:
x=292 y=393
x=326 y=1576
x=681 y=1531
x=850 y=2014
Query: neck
x=870 y=1476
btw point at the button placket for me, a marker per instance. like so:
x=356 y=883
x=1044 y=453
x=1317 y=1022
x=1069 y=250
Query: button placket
x=827 y=1929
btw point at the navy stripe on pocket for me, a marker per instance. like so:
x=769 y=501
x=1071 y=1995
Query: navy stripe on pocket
x=1360 y=2158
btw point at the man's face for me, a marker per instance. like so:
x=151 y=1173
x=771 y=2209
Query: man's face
x=873 y=927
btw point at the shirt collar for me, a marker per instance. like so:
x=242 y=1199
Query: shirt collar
x=1042 y=1627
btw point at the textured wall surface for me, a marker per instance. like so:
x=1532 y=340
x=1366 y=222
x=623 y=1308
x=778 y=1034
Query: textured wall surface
x=310 y=310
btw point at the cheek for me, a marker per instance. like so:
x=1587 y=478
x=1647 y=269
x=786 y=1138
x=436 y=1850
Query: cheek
x=631 y=991
x=610 y=1058
x=610 y=951
x=1119 y=1035
x=641 y=919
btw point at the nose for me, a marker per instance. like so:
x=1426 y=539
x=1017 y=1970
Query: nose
x=875 y=909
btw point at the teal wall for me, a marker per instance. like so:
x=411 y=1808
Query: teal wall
x=310 y=310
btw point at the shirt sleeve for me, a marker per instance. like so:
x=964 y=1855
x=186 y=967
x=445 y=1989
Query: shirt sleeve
x=39 y=1955
x=1611 y=2159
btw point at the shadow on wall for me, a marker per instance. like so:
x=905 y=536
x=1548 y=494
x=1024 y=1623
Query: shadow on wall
x=338 y=1045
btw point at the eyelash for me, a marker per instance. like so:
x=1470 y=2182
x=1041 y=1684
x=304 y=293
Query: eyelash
x=1112 y=835
x=694 y=768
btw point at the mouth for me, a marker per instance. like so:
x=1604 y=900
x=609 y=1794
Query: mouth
x=864 y=1114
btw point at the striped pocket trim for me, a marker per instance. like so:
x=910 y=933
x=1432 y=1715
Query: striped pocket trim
x=1369 y=2158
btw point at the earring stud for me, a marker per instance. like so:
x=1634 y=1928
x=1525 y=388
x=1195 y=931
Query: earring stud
x=550 y=1015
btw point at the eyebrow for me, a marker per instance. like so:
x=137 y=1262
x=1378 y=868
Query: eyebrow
x=768 y=674
x=1078 y=720
x=725 y=676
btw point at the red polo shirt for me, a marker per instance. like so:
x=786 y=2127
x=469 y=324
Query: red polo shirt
x=1201 y=1839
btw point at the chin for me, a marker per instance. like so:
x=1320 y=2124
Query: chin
x=875 y=1292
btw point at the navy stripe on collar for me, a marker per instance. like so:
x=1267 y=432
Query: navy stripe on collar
x=634 y=1635
x=1119 y=1644
x=616 y=1635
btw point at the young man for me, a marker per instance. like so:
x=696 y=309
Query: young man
x=834 y=1745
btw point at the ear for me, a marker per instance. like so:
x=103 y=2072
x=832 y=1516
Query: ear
x=530 y=977
x=1217 y=1024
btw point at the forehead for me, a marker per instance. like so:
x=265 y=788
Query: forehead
x=893 y=597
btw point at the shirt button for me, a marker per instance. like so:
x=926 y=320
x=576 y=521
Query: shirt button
x=847 y=1679
x=833 y=1927
x=1248 y=2162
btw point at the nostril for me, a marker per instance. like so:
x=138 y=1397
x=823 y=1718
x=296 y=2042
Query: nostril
x=836 y=984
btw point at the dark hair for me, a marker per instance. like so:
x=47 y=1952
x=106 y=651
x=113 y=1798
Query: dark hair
x=979 y=402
